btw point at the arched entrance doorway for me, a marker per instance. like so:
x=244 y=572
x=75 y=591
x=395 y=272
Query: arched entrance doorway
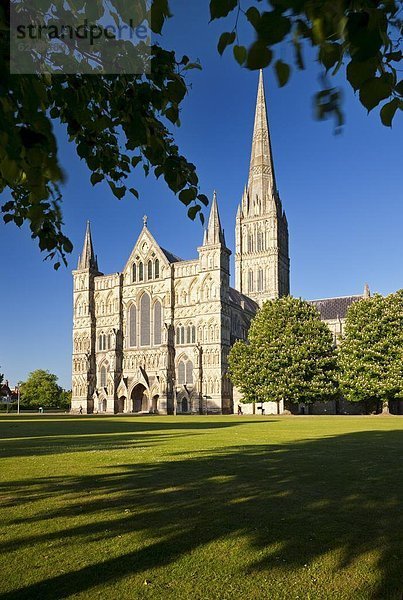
x=139 y=399
x=185 y=405
x=154 y=403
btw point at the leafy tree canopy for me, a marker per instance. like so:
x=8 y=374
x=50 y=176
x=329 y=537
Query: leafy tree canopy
x=120 y=123
x=289 y=355
x=371 y=352
x=360 y=39
x=40 y=389
x=117 y=123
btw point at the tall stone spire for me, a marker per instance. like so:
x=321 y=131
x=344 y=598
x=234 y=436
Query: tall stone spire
x=262 y=265
x=87 y=258
x=214 y=233
x=261 y=172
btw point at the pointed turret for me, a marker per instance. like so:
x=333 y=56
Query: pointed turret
x=87 y=259
x=215 y=233
x=261 y=171
x=367 y=291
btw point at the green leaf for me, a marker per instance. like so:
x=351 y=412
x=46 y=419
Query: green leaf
x=119 y=192
x=172 y=114
x=96 y=178
x=259 y=56
x=193 y=210
x=135 y=160
x=283 y=71
x=399 y=87
x=388 y=111
x=203 y=199
x=187 y=196
x=273 y=27
x=240 y=54
x=226 y=39
x=359 y=72
x=253 y=16
x=373 y=91
x=134 y=192
x=329 y=55
x=194 y=65
x=221 y=8
x=159 y=13
x=394 y=56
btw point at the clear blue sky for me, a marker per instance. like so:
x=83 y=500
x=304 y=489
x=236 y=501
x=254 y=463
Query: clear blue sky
x=342 y=194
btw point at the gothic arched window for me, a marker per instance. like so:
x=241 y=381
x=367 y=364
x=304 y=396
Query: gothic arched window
x=102 y=376
x=132 y=326
x=250 y=242
x=250 y=281
x=189 y=372
x=145 y=320
x=134 y=272
x=156 y=268
x=260 y=280
x=157 y=323
x=141 y=271
x=181 y=373
x=149 y=270
x=193 y=334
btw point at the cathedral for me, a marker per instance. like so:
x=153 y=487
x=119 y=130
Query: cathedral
x=155 y=337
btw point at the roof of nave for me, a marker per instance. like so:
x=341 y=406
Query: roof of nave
x=171 y=257
x=331 y=309
x=238 y=298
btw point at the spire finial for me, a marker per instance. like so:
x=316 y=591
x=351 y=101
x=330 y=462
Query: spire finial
x=145 y=220
x=87 y=259
x=215 y=234
x=261 y=174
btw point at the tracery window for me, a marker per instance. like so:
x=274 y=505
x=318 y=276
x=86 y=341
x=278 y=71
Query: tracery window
x=250 y=281
x=189 y=372
x=260 y=280
x=157 y=268
x=134 y=272
x=149 y=270
x=102 y=376
x=185 y=371
x=145 y=329
x=132 y=326
x=157 y=323
x=141 y=272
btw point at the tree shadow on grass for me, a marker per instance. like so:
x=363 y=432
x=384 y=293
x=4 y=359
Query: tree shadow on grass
x=294 y=503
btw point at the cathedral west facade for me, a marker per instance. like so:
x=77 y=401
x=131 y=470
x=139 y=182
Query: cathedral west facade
x=156 y=336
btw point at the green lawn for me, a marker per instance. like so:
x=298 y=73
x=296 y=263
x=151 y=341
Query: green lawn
x=201 y=507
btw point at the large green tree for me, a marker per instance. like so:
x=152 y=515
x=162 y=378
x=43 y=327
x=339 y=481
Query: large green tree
x=289 y=355
x=119 y=123
x=371 y=353
x=40 y=389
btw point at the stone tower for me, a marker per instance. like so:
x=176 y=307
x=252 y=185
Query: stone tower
x=84 y=369
x=262 y=265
